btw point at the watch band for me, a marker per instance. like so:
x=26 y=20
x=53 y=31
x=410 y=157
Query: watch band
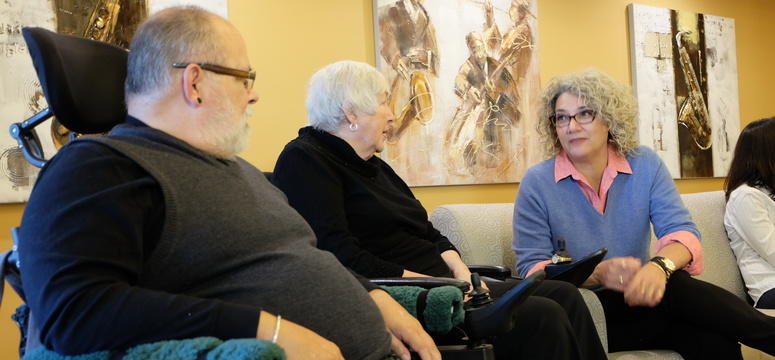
x=665 y=264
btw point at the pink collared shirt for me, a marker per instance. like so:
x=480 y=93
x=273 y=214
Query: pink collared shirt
x=617 y=163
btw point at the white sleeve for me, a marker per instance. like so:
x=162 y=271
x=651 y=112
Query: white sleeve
x=747 y=213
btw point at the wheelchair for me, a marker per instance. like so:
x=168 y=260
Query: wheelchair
x=83 y=82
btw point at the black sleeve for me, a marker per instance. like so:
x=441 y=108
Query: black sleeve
x=91 y=220
x=432 y=234
x=315 y=191
x=442 y=243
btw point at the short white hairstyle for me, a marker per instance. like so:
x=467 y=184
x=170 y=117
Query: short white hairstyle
x=341 y=87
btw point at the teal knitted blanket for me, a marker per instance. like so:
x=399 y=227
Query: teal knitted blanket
x=440 y=309
x=208 y=348
x=443 y=306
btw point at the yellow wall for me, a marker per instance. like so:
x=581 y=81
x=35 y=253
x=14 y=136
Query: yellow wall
x=572 y=34
x=289 y=40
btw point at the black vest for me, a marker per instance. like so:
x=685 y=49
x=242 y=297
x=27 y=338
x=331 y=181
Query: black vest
x=229 y=234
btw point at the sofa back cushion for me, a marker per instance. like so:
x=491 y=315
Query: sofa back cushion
x=482 y=233
x=707 y=210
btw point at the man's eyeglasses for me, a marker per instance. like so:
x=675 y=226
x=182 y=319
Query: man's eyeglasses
x=249 y=76
x=581 y=117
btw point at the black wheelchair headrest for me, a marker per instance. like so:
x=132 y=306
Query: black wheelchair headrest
x=82 y=79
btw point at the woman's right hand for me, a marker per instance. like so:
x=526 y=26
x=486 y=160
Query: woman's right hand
x=297 y=341
x=614 y=273
x=408 y=273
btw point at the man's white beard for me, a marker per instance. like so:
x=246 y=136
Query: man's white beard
x=227 y=138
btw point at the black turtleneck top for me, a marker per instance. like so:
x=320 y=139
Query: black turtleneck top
x=360 y=210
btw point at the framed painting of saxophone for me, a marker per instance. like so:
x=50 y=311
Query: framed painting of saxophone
x=463 y=80
x=113 y=21
x=684 y=74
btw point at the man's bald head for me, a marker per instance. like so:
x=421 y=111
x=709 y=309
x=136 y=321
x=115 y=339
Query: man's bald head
x=179 y=34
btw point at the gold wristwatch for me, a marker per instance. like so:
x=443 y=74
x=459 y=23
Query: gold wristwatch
x=665 y=264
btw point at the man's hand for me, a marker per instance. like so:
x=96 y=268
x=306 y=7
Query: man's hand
x=297 y=341
x=404 y=329
x=615 y=273
x=647 y=287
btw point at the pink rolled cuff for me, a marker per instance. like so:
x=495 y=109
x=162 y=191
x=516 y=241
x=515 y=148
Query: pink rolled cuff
x=687 y=239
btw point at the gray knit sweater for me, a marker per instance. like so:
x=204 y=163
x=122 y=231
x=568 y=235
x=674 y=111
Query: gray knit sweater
x=230 y=236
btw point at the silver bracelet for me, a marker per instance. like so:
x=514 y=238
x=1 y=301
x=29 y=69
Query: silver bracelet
x=276 y=329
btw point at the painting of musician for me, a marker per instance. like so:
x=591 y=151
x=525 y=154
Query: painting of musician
x=685 y=77
x=112 y=21
x=464 y=119
x=408 y=45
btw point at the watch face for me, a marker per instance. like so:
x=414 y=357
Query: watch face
x=669 y=263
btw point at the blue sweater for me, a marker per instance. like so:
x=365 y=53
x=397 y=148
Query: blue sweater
x=546 y=211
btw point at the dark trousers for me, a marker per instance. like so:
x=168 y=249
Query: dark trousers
x=767 y=300
x=554 y=323
x=696 y=319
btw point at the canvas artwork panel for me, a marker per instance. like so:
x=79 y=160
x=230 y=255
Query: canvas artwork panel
x=463 y=82
x=684 y=73
x=113 y=21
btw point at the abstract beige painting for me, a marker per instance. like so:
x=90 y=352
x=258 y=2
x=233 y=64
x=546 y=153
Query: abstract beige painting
x=463 y=78
x=113 y=21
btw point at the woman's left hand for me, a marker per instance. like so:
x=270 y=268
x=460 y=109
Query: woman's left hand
x=647 y=287
x=467 y=278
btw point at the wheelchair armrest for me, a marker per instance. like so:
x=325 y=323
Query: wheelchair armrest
x=499 y=317
x=9 y=268
x=423 y=282
x=492 y=271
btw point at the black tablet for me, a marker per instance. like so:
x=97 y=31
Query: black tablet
x=578 y=271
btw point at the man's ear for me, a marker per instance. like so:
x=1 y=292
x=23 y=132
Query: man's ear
x=192 y=75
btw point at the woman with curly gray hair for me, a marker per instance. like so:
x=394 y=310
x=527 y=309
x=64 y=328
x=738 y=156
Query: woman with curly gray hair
x=600 y=189
x=615 y=107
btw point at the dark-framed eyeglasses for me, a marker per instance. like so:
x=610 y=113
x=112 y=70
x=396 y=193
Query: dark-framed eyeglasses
x=585 y=116
x=249 y=76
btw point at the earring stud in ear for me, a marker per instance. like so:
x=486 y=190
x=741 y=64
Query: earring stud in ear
x=199 y=100
x=353 y=127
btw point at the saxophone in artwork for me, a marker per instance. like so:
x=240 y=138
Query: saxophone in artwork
x=101 y=26
x=102 y=21
x=694 y=112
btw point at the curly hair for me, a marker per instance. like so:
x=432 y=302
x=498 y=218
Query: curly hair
x=612 y=100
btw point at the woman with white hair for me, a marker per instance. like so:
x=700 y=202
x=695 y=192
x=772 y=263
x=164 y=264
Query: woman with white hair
x=368 y=217
x=600 y=189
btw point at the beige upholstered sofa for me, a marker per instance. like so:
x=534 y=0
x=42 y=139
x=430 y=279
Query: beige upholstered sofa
x=483 y=232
